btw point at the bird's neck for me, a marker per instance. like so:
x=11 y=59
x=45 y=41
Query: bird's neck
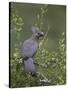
x=34 y=38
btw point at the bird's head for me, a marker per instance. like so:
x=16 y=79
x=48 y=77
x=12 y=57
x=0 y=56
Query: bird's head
x=36 y=32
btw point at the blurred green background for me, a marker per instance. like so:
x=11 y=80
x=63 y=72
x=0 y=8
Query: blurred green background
x=52 y=17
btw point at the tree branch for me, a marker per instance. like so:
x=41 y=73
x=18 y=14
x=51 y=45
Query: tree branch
x=39 y=64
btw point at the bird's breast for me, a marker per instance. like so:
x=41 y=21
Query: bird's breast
x=29 y=48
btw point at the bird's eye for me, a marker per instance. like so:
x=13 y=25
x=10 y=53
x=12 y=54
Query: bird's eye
x=38 y=33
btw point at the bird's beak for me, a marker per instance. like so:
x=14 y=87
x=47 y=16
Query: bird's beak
x=42 y=34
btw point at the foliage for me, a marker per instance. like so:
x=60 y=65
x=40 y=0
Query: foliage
x=54 y=62
x=50 y=65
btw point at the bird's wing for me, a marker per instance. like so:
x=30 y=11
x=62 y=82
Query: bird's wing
x=29 y=48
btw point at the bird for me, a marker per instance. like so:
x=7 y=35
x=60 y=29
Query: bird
x=29 y=48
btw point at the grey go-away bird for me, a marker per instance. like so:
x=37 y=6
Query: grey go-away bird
x=29 y=48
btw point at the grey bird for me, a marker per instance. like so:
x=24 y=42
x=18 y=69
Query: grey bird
x=29 y=48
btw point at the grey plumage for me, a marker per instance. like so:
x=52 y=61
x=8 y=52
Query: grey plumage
x=29 y=48
x=29 y=65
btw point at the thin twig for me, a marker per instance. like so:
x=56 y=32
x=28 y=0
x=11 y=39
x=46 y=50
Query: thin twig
x=39 y=64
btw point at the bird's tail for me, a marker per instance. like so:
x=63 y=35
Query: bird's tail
x=30 y=66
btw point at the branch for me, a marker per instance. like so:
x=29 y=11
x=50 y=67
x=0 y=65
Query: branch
x=45 y=36
x=39 y=64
